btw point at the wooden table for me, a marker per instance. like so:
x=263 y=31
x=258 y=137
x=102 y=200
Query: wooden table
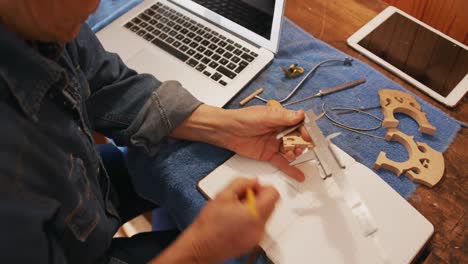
x=333 y=21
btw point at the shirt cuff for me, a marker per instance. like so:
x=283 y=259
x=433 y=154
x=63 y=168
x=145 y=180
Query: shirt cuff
x=167 y=107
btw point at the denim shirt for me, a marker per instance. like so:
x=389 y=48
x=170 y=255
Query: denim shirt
x=56 y=200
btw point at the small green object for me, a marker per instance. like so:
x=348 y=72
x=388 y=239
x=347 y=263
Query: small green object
x=293 y=71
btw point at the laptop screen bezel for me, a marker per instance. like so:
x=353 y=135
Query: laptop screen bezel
x=270 y=44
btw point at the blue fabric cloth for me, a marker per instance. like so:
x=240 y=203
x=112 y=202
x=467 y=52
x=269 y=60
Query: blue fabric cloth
x=109 y=10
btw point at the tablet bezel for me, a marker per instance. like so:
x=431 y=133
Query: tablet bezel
x=451 y=99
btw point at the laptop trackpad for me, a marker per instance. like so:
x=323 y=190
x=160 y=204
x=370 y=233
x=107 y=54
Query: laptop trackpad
x=166 y=67
x=159 y=64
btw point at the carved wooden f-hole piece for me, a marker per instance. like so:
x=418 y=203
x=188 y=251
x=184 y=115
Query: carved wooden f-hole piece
x=294 y=140
x=393 y=101
x=425 y=165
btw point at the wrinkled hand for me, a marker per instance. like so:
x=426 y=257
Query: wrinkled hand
x=253 y=134
x=250 y=132
x=226 y=228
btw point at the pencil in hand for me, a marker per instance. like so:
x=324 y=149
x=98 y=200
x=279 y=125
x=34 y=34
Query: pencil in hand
x=251 y=203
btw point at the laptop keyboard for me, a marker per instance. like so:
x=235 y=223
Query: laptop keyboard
x=207 y=51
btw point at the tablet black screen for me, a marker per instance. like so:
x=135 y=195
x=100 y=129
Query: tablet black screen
x=426 y=56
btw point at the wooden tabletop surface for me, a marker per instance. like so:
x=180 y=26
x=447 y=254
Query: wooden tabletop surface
x=333 y=21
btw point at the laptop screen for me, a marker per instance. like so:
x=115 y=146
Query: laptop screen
x=255 y=15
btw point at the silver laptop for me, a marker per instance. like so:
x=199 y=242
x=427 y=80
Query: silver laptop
x=213 y=47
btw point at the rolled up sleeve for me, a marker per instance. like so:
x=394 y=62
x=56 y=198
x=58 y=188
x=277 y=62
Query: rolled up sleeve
x=166 y=108
x=133 y=109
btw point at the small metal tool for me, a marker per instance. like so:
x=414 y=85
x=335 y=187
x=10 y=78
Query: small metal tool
x=329 y=91
x=358 y=109
x=346 y=61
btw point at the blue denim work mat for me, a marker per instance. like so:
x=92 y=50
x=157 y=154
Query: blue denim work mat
x=170 y=178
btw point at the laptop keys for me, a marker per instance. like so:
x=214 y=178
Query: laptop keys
x=223 y=61
x=198 y=56
x=220 y=51
x=191 y=52
x=230 y=47
x=216 y=57
x=216 y=76
x=235 y=59
x=231 y=66
x=212 y=46
x=222 y=44
x=213 y=65
x=148 y=37
x=200 y=67
x=226 y=72
x=205 y=60
x=144 y=17
x=247 y=57
x=168 y=48
x=192 y=62
x=239 y=69
x=197 y=45
x=227 y=55
x=149 y=12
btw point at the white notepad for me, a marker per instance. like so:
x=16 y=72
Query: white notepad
x=312 y=224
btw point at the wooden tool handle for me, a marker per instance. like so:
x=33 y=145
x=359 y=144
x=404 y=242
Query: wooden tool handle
x=274 y=103
x=251 y=96
x=341 y=87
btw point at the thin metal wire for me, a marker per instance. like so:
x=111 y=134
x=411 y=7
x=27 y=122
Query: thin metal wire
x=362 y=109
x=346 y=61
x=351 y=128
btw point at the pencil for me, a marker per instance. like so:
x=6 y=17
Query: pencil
x=251 y=204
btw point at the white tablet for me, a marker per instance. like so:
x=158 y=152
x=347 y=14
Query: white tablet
x=418 y=53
